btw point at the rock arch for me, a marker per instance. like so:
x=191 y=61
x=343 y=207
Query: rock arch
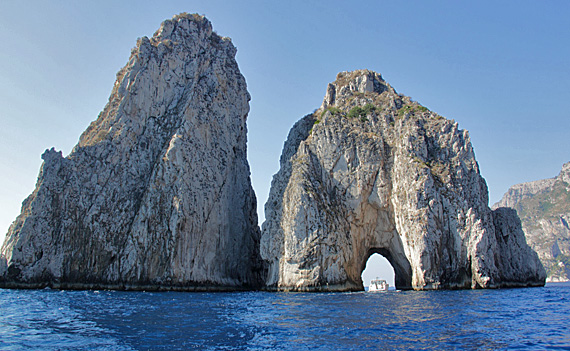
x=373 y=171
x=400 y=265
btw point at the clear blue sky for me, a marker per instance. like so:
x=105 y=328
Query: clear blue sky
x=499 y=68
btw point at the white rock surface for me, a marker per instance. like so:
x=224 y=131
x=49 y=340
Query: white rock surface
x=390 y=178
x=156 y=195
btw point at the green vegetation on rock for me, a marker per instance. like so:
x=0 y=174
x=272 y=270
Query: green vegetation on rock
x=412 y=109
x=361 y=112
x=335 y=111
x=545 y=204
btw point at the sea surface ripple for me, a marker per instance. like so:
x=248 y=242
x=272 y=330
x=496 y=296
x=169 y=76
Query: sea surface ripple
x=508 y=319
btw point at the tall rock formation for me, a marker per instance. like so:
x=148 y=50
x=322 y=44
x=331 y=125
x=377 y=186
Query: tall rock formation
x=371 y=171
x=156 y=194
x=544 y=209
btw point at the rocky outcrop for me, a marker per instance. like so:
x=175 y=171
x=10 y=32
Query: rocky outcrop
x=371 y=171
x=156 y=194
x=544 y=209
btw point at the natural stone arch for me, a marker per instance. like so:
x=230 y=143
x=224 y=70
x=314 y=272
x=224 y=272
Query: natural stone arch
x=401 y=266
x=376 y=232
x=378 y=267
x=373 y=171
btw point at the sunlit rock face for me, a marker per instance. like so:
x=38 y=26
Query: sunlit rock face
x=371 y=171
x=156 y=194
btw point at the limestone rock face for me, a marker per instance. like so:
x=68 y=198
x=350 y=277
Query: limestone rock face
x=156 y=194
x=544 y=209
x=371 y=171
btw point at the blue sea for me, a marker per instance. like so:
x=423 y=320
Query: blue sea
x=509 y=319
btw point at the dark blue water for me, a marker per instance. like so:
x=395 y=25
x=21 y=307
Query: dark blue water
x=537 y=318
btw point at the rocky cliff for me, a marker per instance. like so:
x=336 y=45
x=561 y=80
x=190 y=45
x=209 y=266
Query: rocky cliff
x=372 y=171
x=156 y=194
x=544 y=209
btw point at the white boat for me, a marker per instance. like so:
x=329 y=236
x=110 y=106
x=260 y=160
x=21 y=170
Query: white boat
x=378 y=285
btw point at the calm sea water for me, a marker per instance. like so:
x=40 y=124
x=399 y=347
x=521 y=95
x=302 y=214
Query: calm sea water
x=536 y=318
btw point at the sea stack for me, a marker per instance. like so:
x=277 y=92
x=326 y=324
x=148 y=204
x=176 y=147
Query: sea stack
x=372 y=171
x=544 y=209
x=156 y=194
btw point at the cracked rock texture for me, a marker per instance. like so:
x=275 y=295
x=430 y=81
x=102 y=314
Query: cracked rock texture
x=371 y=171
x=544 y=209
x=156 y=194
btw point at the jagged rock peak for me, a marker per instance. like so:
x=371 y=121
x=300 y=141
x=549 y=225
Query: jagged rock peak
x=372 y=171
x=348 y=84
x=177 y=54
x=184 y=29
x=156 y=194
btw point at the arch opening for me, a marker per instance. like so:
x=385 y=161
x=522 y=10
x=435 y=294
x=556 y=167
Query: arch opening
x=397 y=269
x=377 y=266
